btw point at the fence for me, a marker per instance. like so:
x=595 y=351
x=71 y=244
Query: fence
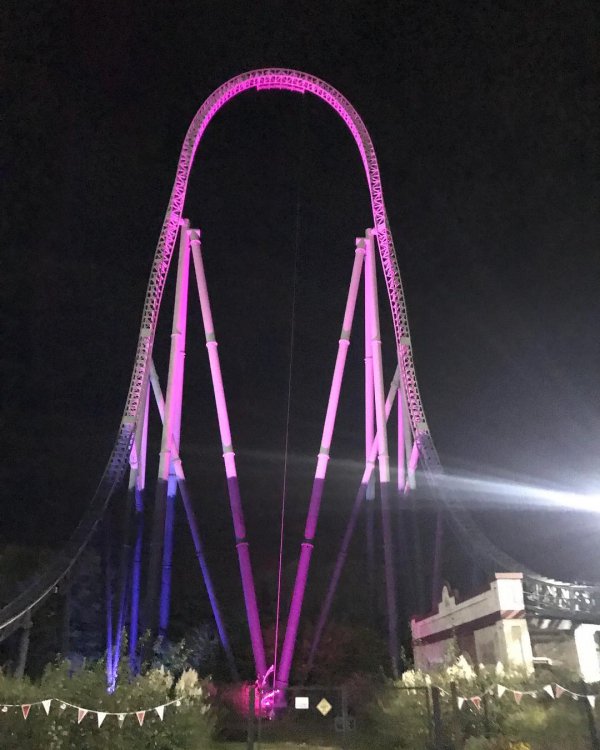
x=416 y=718
x=336 y=717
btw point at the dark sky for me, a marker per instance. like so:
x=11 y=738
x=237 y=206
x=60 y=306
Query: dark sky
x=485 y=120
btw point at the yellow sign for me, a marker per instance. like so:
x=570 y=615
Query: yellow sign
x=323 y=706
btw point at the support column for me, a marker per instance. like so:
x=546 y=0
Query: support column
x=436 y=583
x=138 y=483
x=108 y=600
x=412 y=467
x=23 y=647
x=172 y=421
x=404 y=515
x=229 y=460
x=155 y=615
x=287 y=653
x=195 y=531
x=369 y=438
x=123 y=580
x=401 y=459
x=347 y=538
x=383 y=457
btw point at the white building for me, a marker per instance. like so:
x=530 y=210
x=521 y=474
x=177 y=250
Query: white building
x=494 y=625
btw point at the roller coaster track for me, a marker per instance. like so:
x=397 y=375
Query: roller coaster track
x=39 y=588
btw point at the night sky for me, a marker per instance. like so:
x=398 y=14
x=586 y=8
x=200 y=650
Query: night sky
x=485 y=120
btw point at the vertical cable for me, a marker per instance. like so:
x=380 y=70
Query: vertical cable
x=289 y=390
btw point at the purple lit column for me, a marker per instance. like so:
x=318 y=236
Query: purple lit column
x=172 y=409
x=194 y=529
x=235 y=501
x=371 y=459
x=123 y=578
x=287 y=653
x=108 y=603
x=172 y=420
x=141 y=445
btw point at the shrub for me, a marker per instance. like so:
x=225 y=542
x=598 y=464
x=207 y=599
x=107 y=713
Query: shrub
x=400 y=719
x=189 y=725
x=401 y=715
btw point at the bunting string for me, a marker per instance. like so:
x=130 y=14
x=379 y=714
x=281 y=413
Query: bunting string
x=552 y=690
x=82 y=712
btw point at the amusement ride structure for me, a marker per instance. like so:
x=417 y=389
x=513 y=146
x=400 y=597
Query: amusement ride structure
x=150 y=609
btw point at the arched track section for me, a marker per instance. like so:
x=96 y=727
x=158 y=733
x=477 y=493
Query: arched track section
x=269 y=78
x=290 y=80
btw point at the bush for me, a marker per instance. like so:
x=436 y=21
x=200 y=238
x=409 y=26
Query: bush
x=555 y=726
x=189 y=725
x=498 y=743
x=401 y=714
x=401 y=719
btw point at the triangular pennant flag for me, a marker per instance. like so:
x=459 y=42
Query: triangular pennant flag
x=140 y=716
x=178 y=703
x=121 y=719
x=63 y=706
x=559 y=690
x=160 y=710
x=501 y=691
x=533 y=693
x=46 y=705
x=460 y=702
x=101 y=716
x=592 y=700
x=81 y=714
x=476 y=701
x=548 y=690
x=518 y=696
x=26 y=708
x=4 y=709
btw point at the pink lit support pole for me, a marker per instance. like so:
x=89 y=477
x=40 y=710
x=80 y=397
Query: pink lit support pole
x=369 y=388
x=401 y=449
x=172 y=421
x=369 y=438
x=371 y=460
x=194 y=530
x=235 y=501
x=281 y=679
x=383 y=455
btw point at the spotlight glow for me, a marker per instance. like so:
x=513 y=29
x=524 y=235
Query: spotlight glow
x=523 y=495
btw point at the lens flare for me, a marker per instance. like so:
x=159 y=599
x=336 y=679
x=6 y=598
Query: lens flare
x=498 y=491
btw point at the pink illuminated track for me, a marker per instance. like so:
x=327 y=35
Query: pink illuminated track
x=291 y=80
x=268 y=78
